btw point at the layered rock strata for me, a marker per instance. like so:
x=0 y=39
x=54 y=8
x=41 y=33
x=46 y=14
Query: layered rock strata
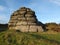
x=24 y=20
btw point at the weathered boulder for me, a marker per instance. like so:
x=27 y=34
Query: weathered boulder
x=25 y=20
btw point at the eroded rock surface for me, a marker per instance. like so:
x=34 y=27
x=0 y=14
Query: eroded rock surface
x=24 y=20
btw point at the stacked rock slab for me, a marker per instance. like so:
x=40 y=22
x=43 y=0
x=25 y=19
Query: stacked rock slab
x=24 y=20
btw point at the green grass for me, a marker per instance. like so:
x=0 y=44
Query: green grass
x=19 y=38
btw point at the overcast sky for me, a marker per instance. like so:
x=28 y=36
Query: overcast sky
x=46 y=10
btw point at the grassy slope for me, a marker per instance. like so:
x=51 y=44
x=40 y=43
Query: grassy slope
x=19 y=38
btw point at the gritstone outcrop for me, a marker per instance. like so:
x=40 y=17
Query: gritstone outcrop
x=25 y=20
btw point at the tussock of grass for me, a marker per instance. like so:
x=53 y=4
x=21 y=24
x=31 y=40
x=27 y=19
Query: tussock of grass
x=19 y=38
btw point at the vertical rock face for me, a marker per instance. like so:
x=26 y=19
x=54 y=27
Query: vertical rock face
x=24 y=20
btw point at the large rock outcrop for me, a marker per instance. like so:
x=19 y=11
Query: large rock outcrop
x=25 y=20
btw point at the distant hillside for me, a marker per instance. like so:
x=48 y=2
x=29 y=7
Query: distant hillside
x=19 y=38
x=3 y=27
x=53 y=27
